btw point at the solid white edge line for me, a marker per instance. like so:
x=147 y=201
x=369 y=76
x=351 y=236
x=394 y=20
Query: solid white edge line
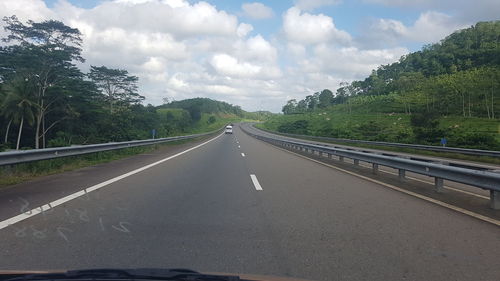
x=422 y=197
x=243 y=154
x=255 y=182
x=43 y=208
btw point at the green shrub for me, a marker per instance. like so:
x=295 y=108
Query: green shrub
x=211 y=120
x=425 y=126
x=297 y=127
x=473 y=140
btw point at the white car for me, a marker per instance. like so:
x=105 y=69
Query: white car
x=229 y=129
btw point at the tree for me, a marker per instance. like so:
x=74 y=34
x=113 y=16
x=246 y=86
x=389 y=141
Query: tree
x=45 y=52
x=119 y=88
x=18 y=105
x=425 y=126
x=301 y=106
x=290 y=107
x=312 y=102
x=409 y=88
x=325 y=98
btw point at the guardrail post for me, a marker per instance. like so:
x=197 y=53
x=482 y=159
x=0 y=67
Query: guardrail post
x=402 y=174
x=341 y=158
x=438 y=183
x=375 y=168
x=356 y=161
x=495 y=199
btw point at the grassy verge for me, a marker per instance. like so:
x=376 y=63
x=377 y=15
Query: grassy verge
x=14 y=174
x=458 y=156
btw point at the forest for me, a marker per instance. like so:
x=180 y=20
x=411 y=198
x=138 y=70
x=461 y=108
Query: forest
x=47 y=101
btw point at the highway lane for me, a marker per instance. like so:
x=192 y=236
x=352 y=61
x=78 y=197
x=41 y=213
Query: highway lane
x=39 y=191
x=458 y=187
x=202 y=210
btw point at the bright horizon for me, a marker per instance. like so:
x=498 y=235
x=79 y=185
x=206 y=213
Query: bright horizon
x=256 y=55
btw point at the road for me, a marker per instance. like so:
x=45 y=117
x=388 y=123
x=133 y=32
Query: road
x=473 y=191
x=203 y=210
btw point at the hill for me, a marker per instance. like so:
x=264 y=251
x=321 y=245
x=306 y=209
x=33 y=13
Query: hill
x=196 y=115
x=448 y=89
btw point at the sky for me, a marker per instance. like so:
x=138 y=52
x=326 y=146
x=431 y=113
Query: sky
x=256 y=55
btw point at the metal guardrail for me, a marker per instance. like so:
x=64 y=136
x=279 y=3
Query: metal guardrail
x=467 y=151
x=483 y=179
x=23 y=156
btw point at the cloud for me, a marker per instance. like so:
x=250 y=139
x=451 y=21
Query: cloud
x=243 y=29
x=465 y=11
x=256 y=49
x=433 y=26
x=348 y=62
x=178 y=18
x=228 y=65
x=253 y=58
x=257 y=10
x=430 y=27
x=312 y=29
x=309 y=5
x=25 y=9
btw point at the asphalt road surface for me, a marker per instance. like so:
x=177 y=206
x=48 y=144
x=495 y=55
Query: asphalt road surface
x=236 y=204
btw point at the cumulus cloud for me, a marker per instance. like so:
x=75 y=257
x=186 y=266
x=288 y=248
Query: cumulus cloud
x=309 y=5
x=353 y=61
x=25 y=9
x=257 y=10
x=430 y=27
x=228 y=65
x=243 y=29
x=312 y=28
x=465 y=11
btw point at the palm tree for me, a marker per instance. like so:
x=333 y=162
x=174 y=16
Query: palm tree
x=18 y=106
x=8 y=109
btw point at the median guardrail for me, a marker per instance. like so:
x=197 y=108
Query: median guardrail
x=466 y=151
x=23 y=156
x=488 y=180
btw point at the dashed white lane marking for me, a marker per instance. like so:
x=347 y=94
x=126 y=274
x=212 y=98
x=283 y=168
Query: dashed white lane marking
x=255 y=182
x=243 y=154
x=239 y=146
x=44 y=208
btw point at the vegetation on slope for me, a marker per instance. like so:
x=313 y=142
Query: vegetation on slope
x=449 y=89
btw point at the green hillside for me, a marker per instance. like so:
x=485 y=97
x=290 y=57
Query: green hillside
x=449 y=89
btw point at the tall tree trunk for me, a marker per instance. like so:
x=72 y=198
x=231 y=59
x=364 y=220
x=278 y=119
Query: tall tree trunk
x=43 y=130
x=469 y=105
x=7 y=132
x=20 y=132
x=463 y=104
x=492 y=104
x=37 y=131
x=487 y=105
x=40 y=115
